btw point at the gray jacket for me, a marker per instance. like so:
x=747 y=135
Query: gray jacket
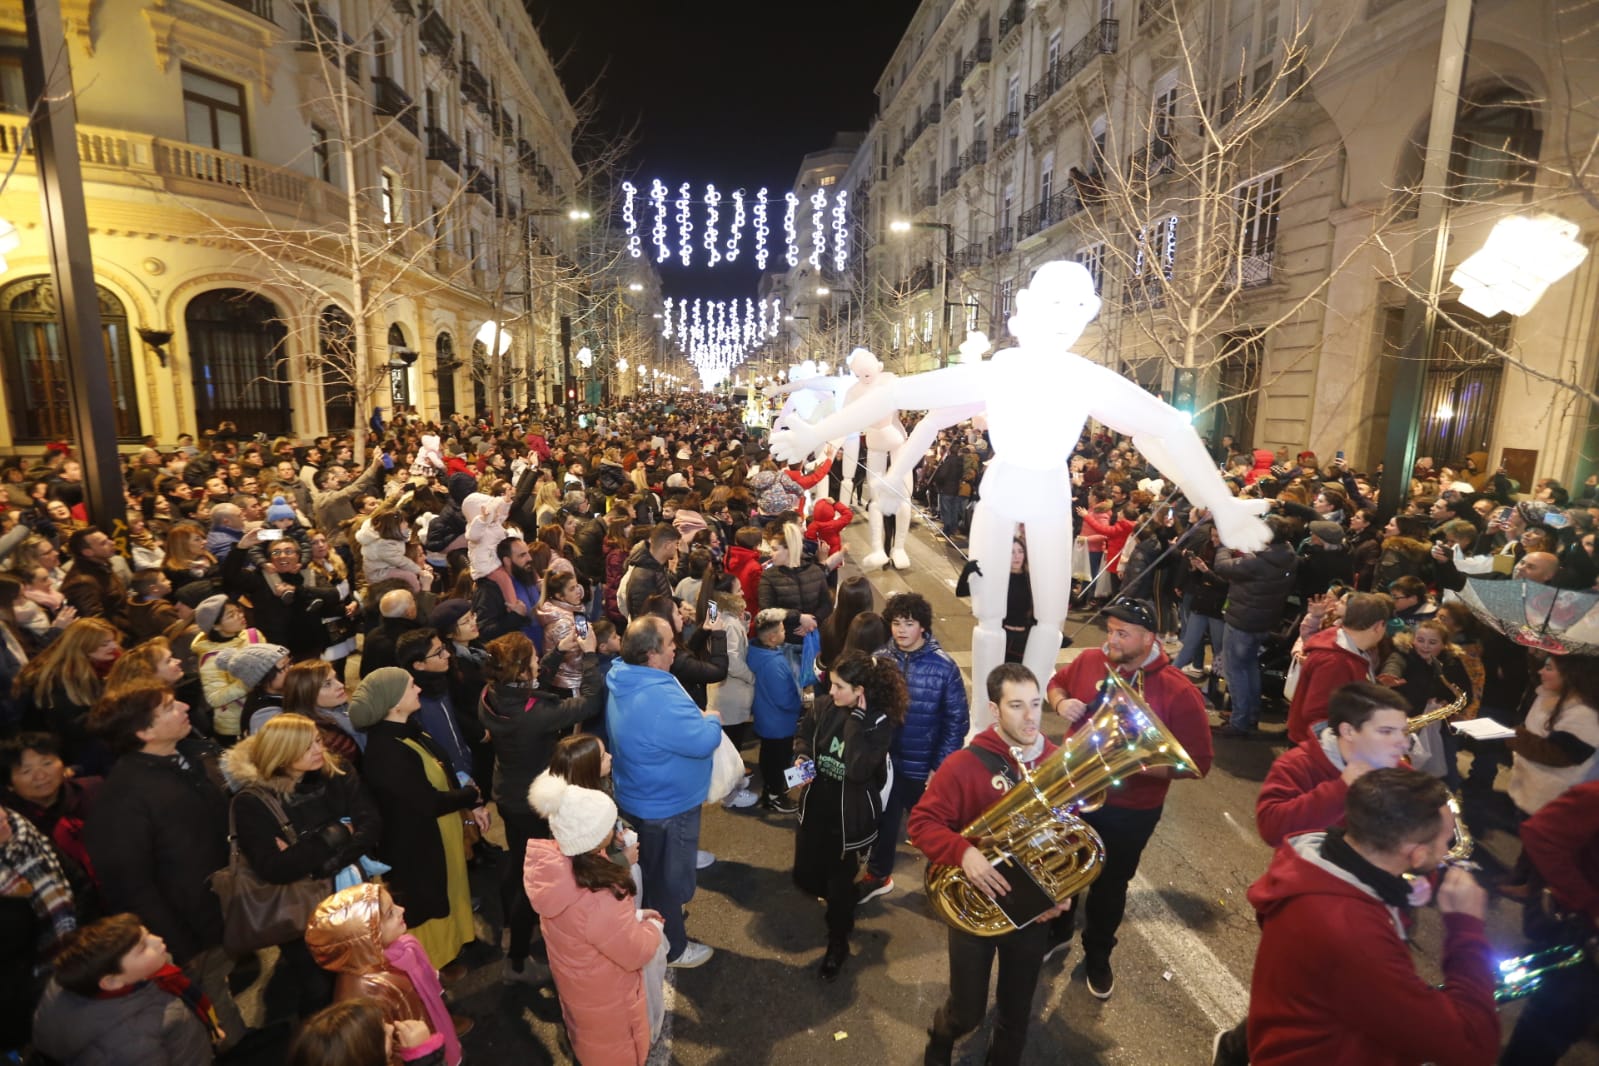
x=1258 y=585
x=146 y=1027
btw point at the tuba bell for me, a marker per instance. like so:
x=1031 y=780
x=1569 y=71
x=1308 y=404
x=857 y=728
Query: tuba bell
x=1036 y=823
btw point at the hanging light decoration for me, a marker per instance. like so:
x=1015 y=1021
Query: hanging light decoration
x=630 y=219
x=760 y=230
x=738 y=226
x=713 y=250
x=663 y=251
x=791 y=205
x=722 y=241
x=818 y=229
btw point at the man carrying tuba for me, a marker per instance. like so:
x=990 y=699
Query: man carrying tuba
x=1130 y=813
x=968 y=783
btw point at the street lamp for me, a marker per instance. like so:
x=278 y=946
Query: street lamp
x=823 y=290
x=902 y=226
x=635 y=287
x=576 y=214
x=1521 y=259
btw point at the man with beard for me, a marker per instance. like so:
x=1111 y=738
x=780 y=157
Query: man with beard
x=497 y=616
x=1131 y=811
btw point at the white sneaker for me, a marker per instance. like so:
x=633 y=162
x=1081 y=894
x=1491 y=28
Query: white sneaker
x=741 y=798
x=695 y=954
x=702 y=859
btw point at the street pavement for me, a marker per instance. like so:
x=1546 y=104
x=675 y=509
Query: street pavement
x=1182 y=967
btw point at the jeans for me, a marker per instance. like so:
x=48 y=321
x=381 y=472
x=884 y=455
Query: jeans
x=667 y=849
x=1240 y=656
x=904 y=794
x=1196 y=628
x=949 y=511
x=517 y=912
x=1124 y=831
x=971 y=960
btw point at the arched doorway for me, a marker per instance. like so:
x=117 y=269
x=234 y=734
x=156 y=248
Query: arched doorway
x=336 y=342
x=236 y=349
x=37 y=393
x=444 y=367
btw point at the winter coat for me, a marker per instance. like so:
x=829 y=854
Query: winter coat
x=333 y=509
x=1422 y=681
x=588 y=547
x=1553 y=750
x=157 y=834
x=784 y=490
x=346 y=940
x=1304 y=790
x=485 y=528
x=317 y=806
x=615 y=567
x=1364 y=548
x=733 y=698
x=937 y=717
x=745 y=565
x=380 y=555
x=776 y=706
x=700 y=663
x=1562 y=841
x=1115 y=534
x=1258 y=586
x=450 y=524
x=1320 y=567
x=147 y=1027
x=378 y=648
x=798 y=590
x=851 y=748
x=599 y=946
x=1401 y=557
x=963 y=789
x=495 y=618
x=1334 y=981
x=224 y=693
x=1329 y=665
x=688 y=523
x=828 y=522
x=296 y=623
x=526 y=723
x=559 y=622
x=1263 y=462
x=646 y=577
x=410 y=808
x=661 y=744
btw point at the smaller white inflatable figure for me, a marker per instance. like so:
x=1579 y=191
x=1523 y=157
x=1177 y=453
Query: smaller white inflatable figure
x=1038 y=396
x=973 y=347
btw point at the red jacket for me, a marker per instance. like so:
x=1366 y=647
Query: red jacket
x=1334 y=984
x=1304 y=793
x=1175 y=701
x=1328 y=667
x=961 y=789
x=1115 y=534
x=1562 y=841
x=745 y=565
x=828 y=519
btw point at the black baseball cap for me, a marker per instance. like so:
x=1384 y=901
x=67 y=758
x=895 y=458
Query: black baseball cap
x=1134 y=612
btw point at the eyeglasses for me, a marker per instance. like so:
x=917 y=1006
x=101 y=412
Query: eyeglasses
x=438 y=653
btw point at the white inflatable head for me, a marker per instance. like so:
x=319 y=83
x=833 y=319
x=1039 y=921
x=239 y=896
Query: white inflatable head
x=1056 y=306
x=864 y=365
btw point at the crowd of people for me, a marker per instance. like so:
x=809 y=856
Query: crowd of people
x=280 y=702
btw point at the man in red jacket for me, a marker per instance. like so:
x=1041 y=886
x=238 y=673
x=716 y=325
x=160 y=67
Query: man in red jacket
x=1305 y=789
x=1562 y=843
x=1128 y=819
x=967 y=783
x=1334 y=657
x=1333 y=980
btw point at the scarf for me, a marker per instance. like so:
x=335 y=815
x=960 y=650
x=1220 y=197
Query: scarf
x=1390 y=888
x=407 y=956
x=171 y=980
x=30 y=870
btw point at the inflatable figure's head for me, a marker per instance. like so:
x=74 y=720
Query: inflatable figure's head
x=1056 y=306
x=864 y=365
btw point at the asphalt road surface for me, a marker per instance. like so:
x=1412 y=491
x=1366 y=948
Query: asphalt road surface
x=1182 y=967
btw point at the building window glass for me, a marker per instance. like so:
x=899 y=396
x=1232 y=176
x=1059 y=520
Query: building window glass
x=321 y=154
x=336 y=343
x=37 y=392
x=1497 y=142
x=1093 y=258
x=214 y=113
x=13 y=94
x=236 y=355
x=444 y=366
x=393 y=200
x=830 y=179
x=1258 y=208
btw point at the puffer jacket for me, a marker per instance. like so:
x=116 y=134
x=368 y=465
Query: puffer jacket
x=599 y=946
x=317 y=807
x=526 y=723
x=147 y=1027
x=798 y=590
x=649 y=578
x=745 y=565
x=1258 y=585
x=733 y=697
x=938 y=715
x=450 y=523
x=224 y=693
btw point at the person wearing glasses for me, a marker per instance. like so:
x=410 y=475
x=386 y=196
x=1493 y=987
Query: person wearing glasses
x=454 y=729
x=294 y=621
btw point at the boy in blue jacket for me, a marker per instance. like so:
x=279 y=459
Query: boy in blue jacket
x=776 y=708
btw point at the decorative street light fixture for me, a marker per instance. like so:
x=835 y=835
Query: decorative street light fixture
x=1521 y=259
x=902 y=226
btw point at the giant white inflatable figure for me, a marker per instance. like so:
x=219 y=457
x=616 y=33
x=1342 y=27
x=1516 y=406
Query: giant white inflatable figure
x=1037 y=397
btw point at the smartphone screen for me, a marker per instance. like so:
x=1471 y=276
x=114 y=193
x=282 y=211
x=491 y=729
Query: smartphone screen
x=711 y=611
x=582 y=625
x=269 y=534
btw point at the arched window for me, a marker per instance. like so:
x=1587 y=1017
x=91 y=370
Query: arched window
x=336 y=343
x=37 y=393
x=1496 y=146
x=444 y=367
x=236 y=348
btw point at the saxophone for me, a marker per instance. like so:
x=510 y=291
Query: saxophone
x=1461 y=848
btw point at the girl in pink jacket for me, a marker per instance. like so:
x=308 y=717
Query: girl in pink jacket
x=599 y=943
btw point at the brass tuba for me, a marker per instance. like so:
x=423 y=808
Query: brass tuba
x=1036 y=822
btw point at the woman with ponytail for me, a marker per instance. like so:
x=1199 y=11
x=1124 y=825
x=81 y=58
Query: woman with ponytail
x=846 y=733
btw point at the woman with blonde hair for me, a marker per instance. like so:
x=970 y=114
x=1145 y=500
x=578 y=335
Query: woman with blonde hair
x=59 y=686
x=153 y=659
x=546 y=503
x=37 y=551
x=297 y=814
x=187 y=559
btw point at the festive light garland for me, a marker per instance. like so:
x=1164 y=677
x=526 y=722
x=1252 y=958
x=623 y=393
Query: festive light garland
x=713 y=250
x=841 y=231
x=791 y=205
x=717 y=335
x=760 y=230
x=818 y=230
x=630 y=220
x=685 y=226
x=738 y=225
x=658 y=233
x=718 y=250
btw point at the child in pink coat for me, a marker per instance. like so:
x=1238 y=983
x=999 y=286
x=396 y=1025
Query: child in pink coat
x=599 y=943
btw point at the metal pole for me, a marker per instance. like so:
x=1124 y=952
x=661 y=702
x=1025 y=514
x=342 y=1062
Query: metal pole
x=568 y=399
x=1432 y=222
x=949 y=261
x=47 y=74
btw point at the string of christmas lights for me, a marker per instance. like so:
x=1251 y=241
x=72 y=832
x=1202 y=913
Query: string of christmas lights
x=754 y=217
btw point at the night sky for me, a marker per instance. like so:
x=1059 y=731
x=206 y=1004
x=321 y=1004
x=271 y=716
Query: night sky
x=732 y=93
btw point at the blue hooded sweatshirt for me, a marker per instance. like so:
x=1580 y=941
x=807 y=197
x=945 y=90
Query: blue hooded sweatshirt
x=661 y=745
x=776 y=704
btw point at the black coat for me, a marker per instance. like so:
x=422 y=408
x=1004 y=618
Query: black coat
x=295 y=623
x=378 y=648
x=525 y=724
x=315 y=809
x=410 y=808
x=703 y=663
x=798 y=590
x=1257 y=586
x=855 y=782
x=1320 y=567
x=157 y=833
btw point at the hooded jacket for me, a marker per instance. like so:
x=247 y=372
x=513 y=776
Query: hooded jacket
x=745 y=565
x=1562 y=841
x=662 y=744
x=1304 y=790
x=937 y=717
x=776 y=706
x=850 y=747
x=316 y=807
x=526 y=723
x=450 y=523
x=645 y=576
x=1263 y=461
x=1258 y=585
x=828 y=520
x=963 y=788
x=1115 y=533
x=1334 y=981
x=599 y=946
x=147 y=1027
x=1329 y=665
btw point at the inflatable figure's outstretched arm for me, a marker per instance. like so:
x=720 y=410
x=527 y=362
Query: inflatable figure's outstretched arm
x=915 y=447
x=950 y=387
x=834 y=384
x=1164 y=435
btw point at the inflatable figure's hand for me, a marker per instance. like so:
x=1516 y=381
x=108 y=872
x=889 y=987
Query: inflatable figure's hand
x=1238 y=522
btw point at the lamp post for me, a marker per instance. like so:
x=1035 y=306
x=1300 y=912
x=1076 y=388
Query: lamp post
x=571 y=214
x=902 y=226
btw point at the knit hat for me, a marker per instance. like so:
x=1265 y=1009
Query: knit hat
x=581 y=819
x=446 y=613
x=377 y=694
x=1329 y=533
x=251 y=663
x=279 y=510
x=209 y=612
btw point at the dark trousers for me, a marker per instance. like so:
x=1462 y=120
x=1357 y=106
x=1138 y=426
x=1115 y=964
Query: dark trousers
x=517 y=911
x=971 y=961
x=1558 y=1015
x=667 y=849
x=1125 y=832
x=777 y=755
x=904 y=795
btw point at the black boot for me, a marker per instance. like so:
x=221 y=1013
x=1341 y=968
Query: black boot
x=833 y=961
x=939 y=1051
